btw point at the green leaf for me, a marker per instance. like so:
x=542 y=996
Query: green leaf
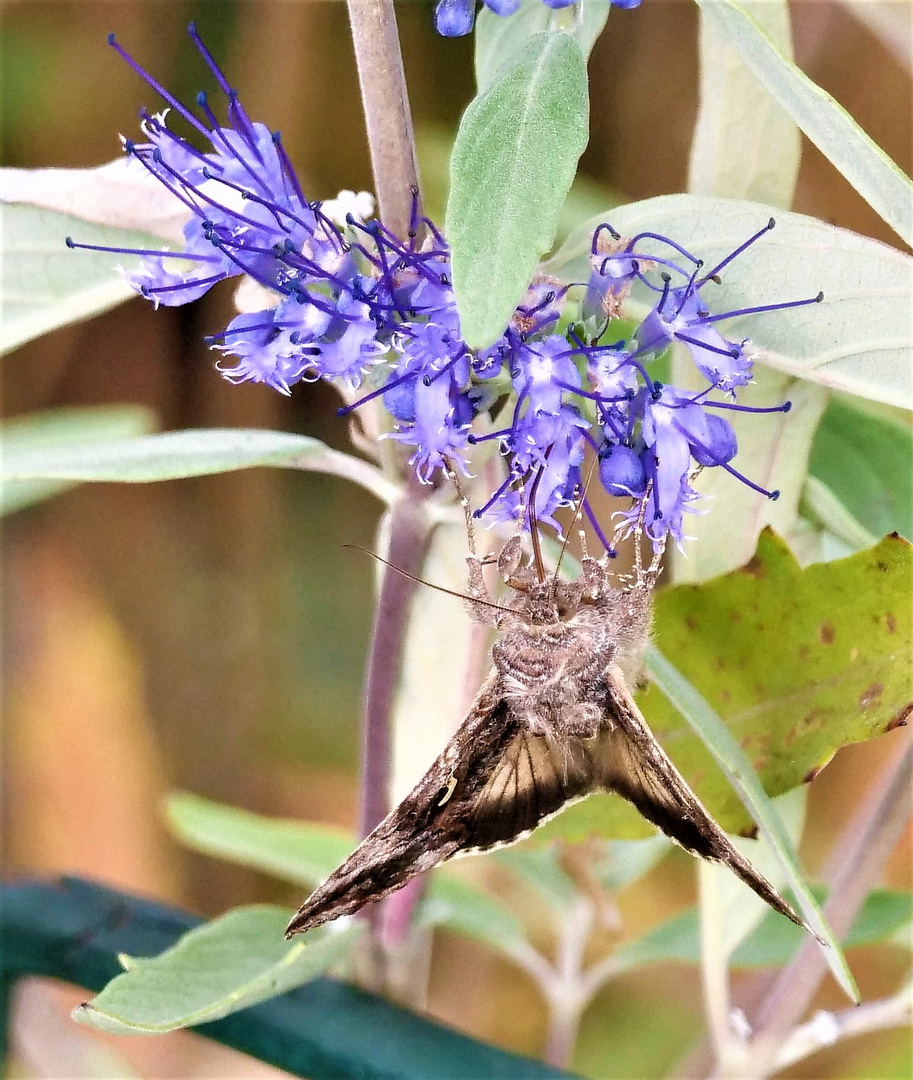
x=62 y=427
x=540 y=867
x=729 y=912
x=513 y=163
x=301 y=852
x=772 y=943
x=499 y=40
x=821 y=505
x=827 y=124
x=177 y=454
x=44 y=284
x=858 y=340
x=863 y=459
x=883 y=914
x=471 y=912
x=796 y=662
x=745 y=145
x=733 y=761
x=627 y=861
x=306 y=853
x=216 y=969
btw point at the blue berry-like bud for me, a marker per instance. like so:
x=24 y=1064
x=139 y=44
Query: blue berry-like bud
x=622 y=471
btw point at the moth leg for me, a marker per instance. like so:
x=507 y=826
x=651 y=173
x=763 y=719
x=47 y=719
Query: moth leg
x=593 y=577
x=467 y=510
x=509 y=557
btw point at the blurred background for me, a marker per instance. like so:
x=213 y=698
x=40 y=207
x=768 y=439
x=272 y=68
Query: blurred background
x=209 y=635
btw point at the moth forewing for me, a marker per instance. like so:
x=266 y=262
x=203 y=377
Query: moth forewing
x=634 y=765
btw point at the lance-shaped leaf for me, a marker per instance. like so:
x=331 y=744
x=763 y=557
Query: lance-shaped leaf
x=745 y=144
x=863 y=458
x=306 y=853
x=44 y=284
x=797 y=663
x=858 y=340
x=738 y=770
x=177 y=454
x=512 y=165
x=829 y=126
x=216 y=969
x=67 y=427
x=772 y=943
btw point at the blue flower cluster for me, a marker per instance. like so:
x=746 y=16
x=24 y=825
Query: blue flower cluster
x=454 y=18
x=357 y=305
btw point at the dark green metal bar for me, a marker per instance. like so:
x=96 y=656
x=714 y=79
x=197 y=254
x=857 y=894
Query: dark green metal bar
x=326 y=1030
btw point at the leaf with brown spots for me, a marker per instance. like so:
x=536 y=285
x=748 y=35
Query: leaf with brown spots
x=798 y=663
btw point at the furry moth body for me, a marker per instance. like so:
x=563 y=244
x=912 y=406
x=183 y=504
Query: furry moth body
x=553 y=722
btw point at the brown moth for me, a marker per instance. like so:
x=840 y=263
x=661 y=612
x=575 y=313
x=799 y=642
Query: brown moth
x=553 y=722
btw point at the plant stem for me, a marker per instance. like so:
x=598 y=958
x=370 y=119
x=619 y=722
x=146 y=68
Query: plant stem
x=565 y=1000
x=715 y=970
x=386 y=106
x=408 y=538
x=827 y=1028
x=855 y=861
x=408 y=532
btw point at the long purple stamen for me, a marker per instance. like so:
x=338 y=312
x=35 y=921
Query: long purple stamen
x=663 y=240
x=157 y=86
x=153 y=125
x=764 y=307
x=217 y=134
x=784 y=408
x=609 y=549
x=154 y=290
x=772 y=495
x=738 y=251
x=604 y=227
x=344 y=410
x=687 y=290
x=71 y=243
x=733 y=353
x=511 y=478
x=276 y=209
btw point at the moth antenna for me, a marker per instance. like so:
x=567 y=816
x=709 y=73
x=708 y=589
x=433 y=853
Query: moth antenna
x=421 y=581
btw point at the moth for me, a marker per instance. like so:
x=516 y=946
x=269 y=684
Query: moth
x=553 y=722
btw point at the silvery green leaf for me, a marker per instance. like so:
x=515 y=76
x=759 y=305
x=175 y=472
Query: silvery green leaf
x=828 y=125
x=65 y=427
x=746 y=146
x=177 y=454
x=512 y=166
x=44 y=284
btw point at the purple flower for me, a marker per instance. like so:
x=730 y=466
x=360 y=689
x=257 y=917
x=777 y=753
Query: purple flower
x=356 y=304
x=681 y=315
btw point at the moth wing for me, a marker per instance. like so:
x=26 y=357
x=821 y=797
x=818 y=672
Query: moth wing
x=492 y=784
x=534 y=779
x=634 y=764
